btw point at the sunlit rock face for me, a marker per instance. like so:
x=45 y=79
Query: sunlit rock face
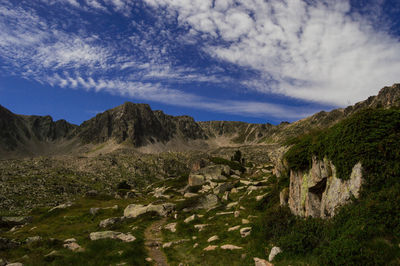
x=318 y=192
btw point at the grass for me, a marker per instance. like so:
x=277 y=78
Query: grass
x=56 y=226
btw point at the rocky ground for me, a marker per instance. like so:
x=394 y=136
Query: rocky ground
x=197 y=213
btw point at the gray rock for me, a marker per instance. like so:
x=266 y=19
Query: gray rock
x=112 y=235
x=196 y=180
x=245 y=231
x=61 y=206
x=111 y=221
x=230 y=247
x=213 y=238
x=261 y=262
x=318 y=192
x=134 y=210
x=15 y=264
x=33 y=239
x=274 y=251
x=171 y=227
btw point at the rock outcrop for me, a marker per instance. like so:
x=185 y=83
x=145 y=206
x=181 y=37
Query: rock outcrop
x=134 y=210
x=318 y=192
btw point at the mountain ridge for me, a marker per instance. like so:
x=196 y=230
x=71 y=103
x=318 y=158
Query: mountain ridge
x=137 y=125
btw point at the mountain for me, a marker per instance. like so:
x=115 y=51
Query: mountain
x=137 y=126
x=31 y=135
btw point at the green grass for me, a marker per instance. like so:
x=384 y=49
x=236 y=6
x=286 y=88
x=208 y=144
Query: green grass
x=367 y=231
x=76 y=221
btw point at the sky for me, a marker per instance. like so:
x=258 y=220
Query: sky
x=261 y=61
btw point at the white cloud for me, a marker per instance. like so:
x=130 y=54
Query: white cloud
x=316 y=52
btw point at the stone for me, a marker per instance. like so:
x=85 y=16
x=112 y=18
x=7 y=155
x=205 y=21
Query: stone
x=200 y=227
x=230 y=247
x=225 y=197
x=234 y=190
x=33 y=239
x=261 y=262
x=224 y=213
x=245 y=221
x=195 y=245
x=15 y=264
x=94 y=211
x=244 y=182
x=70 y=240
x=261 y=197
x=274 y=251
x=112 y=235
x=75 y=247
x=196 y=180
x=232 y=204
x=235 y=176
x=176 y=242
x=213 y=238
x=52 y=254
x=149 y=259
x=221 y=188
x=318 y=192
x=245 y=231
x=134 y=210
x=210 y=248
x=171 y=227
x=214 y=172
x=208 y=202
x=236 y=214
x=111 y=221
x=190 y=195
x=233 y=228
x=61 y=206
x=190 y=219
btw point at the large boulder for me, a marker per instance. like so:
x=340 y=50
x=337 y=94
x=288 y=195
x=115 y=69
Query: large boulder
x=319 y=192
x=195 y=180
x=134 y=210
x=214 y=172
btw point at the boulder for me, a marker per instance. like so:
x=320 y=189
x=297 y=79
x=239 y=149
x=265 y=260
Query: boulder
x=196 y=180
x=200 y=227
x=245 y=231
x=210 y=248
x=318 y=192
x=214 y=172
x=274 y=251
x=33 y=239
x=189 y=219
x=112 y=235
x=134 y=210
x=15 y=264
x=111 y=221
x=233 y=228
x=171 y=227
x=190 y=195
x=75 y=247
x=230 y=247
x=261 y=262
x=232 y=205
x=208 y=202
x=213 y=238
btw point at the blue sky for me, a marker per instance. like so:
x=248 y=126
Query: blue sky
x=249 y=60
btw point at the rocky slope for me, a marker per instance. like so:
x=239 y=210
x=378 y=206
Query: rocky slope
x=136 y=125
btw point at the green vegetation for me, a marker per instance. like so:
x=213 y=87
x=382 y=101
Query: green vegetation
x=367 y=231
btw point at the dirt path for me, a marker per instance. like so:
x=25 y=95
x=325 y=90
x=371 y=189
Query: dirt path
x=153 y=242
